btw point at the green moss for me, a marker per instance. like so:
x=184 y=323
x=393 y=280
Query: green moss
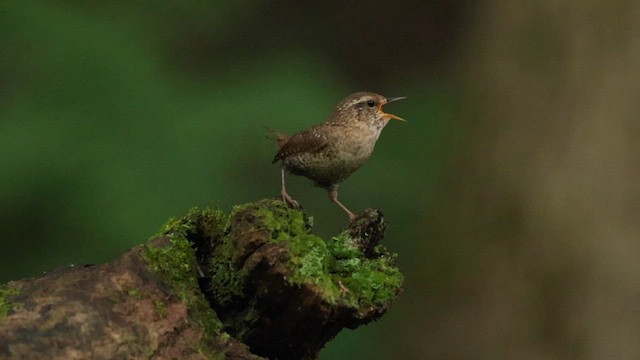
x=309 y=252
x=177 y=264
x=373 y=281
x=226 y=279
x=135 y=293
x=333 y=265
x=282 y=221
x=338 y=268
x=115 y=298
x=289 y=226
x=6 y=292
x=160 y=307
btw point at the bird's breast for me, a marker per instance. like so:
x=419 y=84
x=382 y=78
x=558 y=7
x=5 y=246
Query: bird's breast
x=345 y=152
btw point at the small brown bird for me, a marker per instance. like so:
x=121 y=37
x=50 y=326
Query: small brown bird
x=330 y=152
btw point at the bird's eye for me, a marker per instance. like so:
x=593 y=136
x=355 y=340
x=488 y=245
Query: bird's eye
x=371 y=103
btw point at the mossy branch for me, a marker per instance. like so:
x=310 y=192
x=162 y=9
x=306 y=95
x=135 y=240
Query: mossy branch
x=254 y=284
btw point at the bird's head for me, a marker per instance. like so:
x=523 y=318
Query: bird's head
x=365 y=107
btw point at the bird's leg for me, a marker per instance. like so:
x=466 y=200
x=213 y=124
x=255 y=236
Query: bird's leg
x=333 y=195
x=286 y=197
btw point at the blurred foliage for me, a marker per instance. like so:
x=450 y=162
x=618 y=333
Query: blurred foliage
x=115 y=116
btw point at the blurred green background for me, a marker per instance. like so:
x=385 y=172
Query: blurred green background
x=511 y=192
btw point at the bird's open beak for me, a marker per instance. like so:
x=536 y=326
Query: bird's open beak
x=391 y=116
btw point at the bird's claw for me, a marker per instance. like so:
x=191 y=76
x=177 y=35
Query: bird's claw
x=290 y=201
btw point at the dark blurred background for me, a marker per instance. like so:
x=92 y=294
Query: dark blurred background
x=512 y=192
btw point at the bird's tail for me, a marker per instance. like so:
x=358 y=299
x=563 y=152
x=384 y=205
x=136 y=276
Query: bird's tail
x=280 y=138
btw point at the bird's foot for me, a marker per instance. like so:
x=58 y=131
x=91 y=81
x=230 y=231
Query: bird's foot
x=290 y=201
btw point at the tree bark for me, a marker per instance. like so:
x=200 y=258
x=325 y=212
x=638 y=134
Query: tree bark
x=255 y=284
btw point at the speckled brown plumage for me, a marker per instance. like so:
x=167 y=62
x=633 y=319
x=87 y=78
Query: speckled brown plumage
x=329 y=152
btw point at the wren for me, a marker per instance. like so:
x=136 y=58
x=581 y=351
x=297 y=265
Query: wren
x=329 y=152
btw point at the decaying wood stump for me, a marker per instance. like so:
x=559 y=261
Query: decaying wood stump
x=254 y=284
